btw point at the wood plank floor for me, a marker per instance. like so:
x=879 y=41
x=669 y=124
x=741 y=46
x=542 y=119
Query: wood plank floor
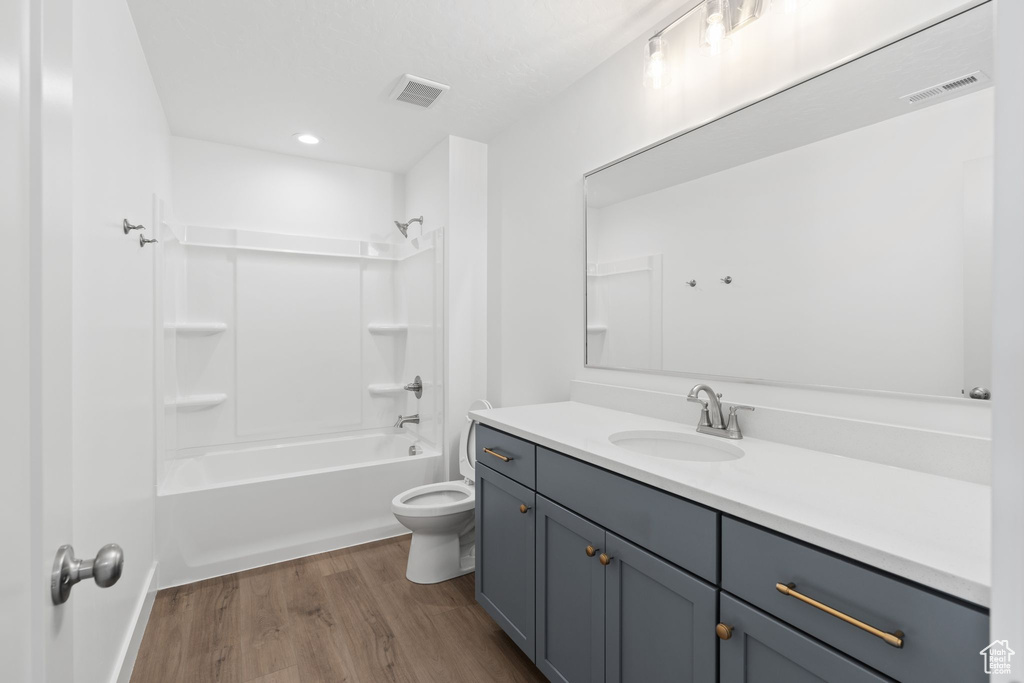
x=347 y=615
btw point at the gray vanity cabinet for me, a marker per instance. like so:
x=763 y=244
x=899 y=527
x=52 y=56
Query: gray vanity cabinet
x=570 y=595
x=760 y=649
x=505 y=546
x=599 y=578
x=609 y=611
x=658 y=619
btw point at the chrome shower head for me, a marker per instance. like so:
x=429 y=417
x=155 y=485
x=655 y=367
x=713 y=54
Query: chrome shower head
x=404 y=227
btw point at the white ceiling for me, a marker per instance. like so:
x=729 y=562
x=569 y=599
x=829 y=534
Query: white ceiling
x=254 y=72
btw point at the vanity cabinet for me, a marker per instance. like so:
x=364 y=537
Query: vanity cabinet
x=603 y=579
x=657 y=619
x=902 y=630
x=760 y=649
x=570 y=595
x=609 y=611
x=505 y=547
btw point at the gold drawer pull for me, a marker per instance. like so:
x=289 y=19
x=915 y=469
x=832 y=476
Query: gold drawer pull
x=605 y=559
x=723 y=631
x=895 y=639
x=497 y=455
x=524 y=508
x=591 y=551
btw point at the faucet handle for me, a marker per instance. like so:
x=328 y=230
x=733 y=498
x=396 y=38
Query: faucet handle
x=705 y=414
x=732 y=428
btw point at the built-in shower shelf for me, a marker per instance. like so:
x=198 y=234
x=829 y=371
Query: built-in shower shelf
x=385 y=389
x=197 y=329
x=196 y=401
x=388 y=328
x=597 y=329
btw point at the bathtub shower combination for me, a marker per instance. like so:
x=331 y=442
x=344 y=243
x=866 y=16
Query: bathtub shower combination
x=286 y=362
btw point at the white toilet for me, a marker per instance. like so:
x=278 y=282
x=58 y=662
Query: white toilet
x=441 y=519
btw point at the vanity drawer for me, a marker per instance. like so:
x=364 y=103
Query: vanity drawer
x=682 y=532
x=507 y=454
x=942 y=636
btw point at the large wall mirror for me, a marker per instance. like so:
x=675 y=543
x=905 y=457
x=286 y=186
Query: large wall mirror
x=837 y=233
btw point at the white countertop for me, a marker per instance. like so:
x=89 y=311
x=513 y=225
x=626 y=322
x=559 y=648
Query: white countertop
x=926 y=528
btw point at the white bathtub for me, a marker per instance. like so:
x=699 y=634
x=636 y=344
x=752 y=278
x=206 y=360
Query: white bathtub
x=231 y=510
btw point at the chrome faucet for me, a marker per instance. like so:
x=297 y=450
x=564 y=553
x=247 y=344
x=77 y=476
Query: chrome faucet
x=406 y=419
x=711 y=420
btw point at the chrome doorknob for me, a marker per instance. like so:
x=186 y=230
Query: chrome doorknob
x=105 y=569
x=980 y=394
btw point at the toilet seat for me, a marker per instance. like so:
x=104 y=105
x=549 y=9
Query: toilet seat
x=433 y=500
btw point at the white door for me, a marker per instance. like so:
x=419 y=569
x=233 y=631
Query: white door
x=35 y=334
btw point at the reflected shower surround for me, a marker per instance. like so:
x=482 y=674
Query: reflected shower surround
x=307 y=344
x=783 y=243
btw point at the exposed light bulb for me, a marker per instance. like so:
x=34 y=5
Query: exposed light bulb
x=307 y=138
x=656 y=68
x=714 y=33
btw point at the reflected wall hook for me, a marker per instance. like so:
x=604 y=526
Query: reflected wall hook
x=692 y=283
x=128 y=227
x=143 y=241
x=727 y=279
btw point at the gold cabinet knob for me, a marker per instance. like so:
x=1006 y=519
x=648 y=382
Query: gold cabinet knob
x=591 y=551
x=605 y=559
x=524 y=508
x=724 y=632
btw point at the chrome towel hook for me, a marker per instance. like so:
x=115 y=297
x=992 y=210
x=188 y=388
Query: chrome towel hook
x=128 y=227
x=143 y=241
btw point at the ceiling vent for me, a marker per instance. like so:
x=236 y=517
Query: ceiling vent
x=955 y=85
x=418 y=91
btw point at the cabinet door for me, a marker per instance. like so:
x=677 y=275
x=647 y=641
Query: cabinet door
x=764 y=650
x=505 y=555
x=659 y=620
x=570 y=596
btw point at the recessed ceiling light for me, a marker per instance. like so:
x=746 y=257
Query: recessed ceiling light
x=307 y=138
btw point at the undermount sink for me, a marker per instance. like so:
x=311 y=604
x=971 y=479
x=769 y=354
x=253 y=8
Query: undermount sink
x=676 y=446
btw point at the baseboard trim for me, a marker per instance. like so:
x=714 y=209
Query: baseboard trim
x=130 y=649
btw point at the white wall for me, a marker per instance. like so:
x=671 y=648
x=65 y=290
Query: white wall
x=536 y=241
x=466 y=286
x=1008 y=332
x=236 y=187
x=420 y=292
x=810 y=283
x=121 y=158
x=448 y=187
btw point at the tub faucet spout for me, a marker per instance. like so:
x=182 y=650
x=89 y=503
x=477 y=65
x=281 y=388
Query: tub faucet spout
x=406 y=419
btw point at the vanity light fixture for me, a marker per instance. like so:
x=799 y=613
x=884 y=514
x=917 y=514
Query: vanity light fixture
x=715 y=27
x=656 y=71
x=719 y=19
x=307 y=138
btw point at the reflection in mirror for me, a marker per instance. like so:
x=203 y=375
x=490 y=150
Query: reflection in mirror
x=835 y=234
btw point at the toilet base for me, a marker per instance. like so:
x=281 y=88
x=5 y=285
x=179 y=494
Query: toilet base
x=434 y=558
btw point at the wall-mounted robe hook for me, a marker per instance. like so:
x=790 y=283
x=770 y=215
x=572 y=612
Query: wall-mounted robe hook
x=128 y=227
x=692 y=283
x=143 y=241
x=727 y=279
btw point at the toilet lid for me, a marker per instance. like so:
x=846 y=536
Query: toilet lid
x=466 y=457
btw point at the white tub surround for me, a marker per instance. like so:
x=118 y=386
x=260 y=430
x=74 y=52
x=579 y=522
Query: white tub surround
x=930 y=529
x=237 y=509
